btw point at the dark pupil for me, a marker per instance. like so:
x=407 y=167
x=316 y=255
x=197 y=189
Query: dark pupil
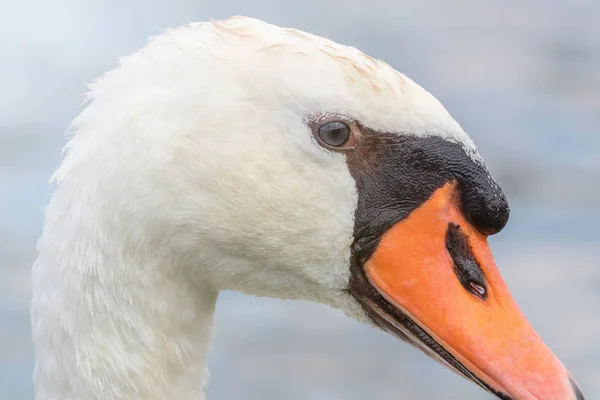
x=334 y=133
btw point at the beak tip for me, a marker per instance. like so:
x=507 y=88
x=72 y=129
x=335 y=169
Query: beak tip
x=576 y=390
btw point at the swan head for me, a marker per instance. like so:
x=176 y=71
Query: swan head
x=277 y=163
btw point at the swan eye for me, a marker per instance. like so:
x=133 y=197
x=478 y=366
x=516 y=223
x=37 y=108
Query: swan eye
x=335 y=134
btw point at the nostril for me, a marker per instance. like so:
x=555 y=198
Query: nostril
x=465 y=265
x=578 y=393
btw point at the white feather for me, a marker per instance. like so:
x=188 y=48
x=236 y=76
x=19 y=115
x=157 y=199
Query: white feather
x=191 y=170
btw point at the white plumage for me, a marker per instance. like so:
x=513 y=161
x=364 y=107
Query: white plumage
x=191 y=170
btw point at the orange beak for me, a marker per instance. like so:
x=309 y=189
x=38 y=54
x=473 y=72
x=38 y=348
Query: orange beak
x=477 y=322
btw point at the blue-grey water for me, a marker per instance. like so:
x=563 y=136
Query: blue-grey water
x=523 y=77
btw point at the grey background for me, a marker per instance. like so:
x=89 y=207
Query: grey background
x=522 y=77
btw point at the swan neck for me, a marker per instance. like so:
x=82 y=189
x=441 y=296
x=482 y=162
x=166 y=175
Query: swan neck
x=110 y=322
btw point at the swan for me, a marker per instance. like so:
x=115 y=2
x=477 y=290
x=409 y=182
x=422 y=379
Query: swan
x=239 y=155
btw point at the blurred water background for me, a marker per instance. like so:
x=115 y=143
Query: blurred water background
x=522 y=77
